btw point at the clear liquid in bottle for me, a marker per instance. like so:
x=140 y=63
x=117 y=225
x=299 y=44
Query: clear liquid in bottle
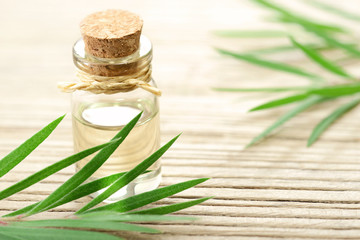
x=97 y=123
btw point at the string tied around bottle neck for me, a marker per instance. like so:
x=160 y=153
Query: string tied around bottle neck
x=111 y=85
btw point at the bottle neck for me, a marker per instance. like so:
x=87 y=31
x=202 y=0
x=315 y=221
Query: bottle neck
x=110 y=76
x=134 y=64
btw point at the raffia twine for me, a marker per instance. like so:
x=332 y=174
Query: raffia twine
x=111 y=85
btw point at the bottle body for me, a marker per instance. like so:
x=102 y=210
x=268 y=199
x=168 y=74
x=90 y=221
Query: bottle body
x=97 y=118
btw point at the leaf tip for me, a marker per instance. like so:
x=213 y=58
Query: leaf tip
x=254 y=109
x=201 y=180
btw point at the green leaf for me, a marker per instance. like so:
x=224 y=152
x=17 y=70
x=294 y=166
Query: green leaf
x=87 y=170
x=321 y=27
x=279 y=49
x=281 y=102
x=21 y=152
x=289 y=115
x=326 y=64
x=4 y=236
x=270 y=50
x=79 y=192
x=121 y=217
x=170 y=208
x=311 y=27
x=87 y=223
x=334 y=10
x=54 y=234
x=337 y=91
x=42 y=174
x=326 y=122
x=129 y=176
x=288 y=16
x=271 y=64
x=333 y=41
x=250 y=33
x=87 y=189
x=282 y=89
x=286 y=48
x=143 y=199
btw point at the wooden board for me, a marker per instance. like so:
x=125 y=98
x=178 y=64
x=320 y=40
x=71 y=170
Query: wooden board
x=279 y=189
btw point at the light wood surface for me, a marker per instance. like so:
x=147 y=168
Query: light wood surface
x=279 y=189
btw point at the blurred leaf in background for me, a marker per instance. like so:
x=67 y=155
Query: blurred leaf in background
x=325 y=36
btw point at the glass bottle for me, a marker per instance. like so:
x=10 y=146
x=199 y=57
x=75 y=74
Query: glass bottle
x=98 y=117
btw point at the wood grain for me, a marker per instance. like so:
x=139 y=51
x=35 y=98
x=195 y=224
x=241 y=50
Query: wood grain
x=276 y=190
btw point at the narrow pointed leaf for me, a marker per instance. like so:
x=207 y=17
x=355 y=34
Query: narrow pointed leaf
x=42 y=174
x=282 y=89
x=250 y=33
x=334 y=10
x=320 y=26
x=21 y=211
x=326 y=122
x=21 y=152
x=4 y=236
x=87 y=170
x=170 y=208
x=337 y=91
x=143 y=199
x=326 y=64
x=91 y=224
x=271 y=64
x=333 y=41
x=79 y=192
x=129 y=176
x=121 y=217
x=286 y=48
x=281 y=102
x=288 y=16
x=87 y=189
x=283 y=48
x=309 y=26
x=286 y=117
x=54 y=234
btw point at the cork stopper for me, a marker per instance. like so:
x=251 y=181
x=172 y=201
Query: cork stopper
x=111 y=33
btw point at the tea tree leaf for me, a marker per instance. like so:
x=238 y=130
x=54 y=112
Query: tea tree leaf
x=53 y=234
x=289 y=115
x=79 y=192
x=312 y=54
x=281 y=89
x=80 y=223
x=288 y=16
x=121 y=217
x=326 y=122
x=143 y=199
x=271 y=65
x=313 y=28
x=321 y=27
x=337 y=91
x=281 y=101
x=20 y=153
x=329 y=92
x=129 y=176
x=48 y=171
x=280 y=49
x=87 y=189
x=250 y=33
x=334 y=10
x=4 y=236
x=333 y=41
x=287 y=48
x=87 y=170
x=170 y=208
